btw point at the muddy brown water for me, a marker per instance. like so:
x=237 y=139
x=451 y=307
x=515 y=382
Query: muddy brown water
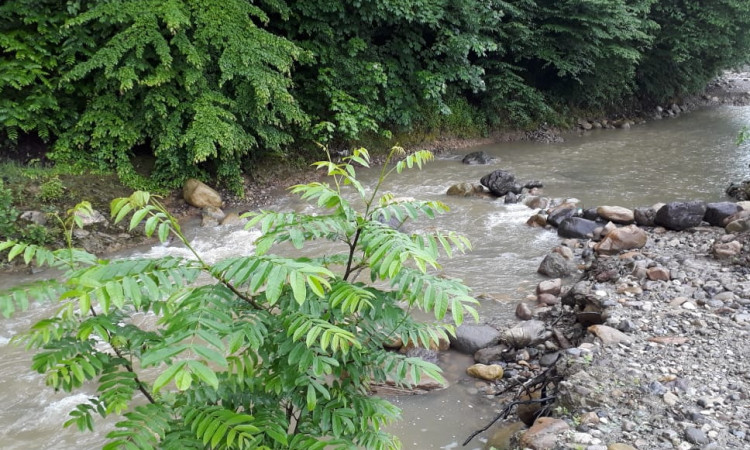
x=690 y=157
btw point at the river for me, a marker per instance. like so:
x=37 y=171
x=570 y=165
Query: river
x=686 y=158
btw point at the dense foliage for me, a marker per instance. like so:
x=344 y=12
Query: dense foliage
x=205 y=86
x=256 y=351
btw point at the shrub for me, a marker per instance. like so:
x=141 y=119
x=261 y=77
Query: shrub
x=51 y=190
x=264 y=351
x=8 y=213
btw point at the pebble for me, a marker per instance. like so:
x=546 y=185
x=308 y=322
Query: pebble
x=696 y=436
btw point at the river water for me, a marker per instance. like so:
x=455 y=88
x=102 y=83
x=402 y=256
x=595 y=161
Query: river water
x=686 y=158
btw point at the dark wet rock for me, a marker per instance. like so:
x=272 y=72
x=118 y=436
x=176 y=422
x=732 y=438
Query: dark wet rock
x=500 y=182
x=489 y=355
x=511 y=198
x=645 y=216
x=577 y=228
x=590 y=214
x=717 y=212
x=681 y=215
x=535 y=184
x=470 y=338
x=478 y=158
x=555 y=265
x=739 y=191
x=560 y=213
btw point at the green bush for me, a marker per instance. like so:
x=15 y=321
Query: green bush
x=8 y=213
x=264 y=351
x=51 y=190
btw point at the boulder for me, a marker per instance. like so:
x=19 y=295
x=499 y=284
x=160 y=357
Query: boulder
x=211 y=216
x=739 y=215
x=200 y=195
x=500 y=182
x=535 y=202
x=577 y=228
x=548 y=299
x=625 y=238
x=553 y=287
x=559 y=213
x=645 y=216
x=544 y=434
x=489 y=354
x=91 y=219
x=233 y=219
x=477 y=158
x=555 y=265
x=717 y=212
x=534 y=184
x=739 y=191
x=681 y=215
x=526 y=334
x=537 y=221
x=465 y=190
x=616 y=214
x=490 y=373
x=35 y=217
x=511 y=198
x=470 y=338
x=590 y=213
x=523 y=311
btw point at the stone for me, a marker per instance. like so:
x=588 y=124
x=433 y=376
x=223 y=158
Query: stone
x=717 y=212
x=566 y=252
x=625 y=238
x=35 y=217
x=668 y=340
x=470 y=338
x=537 y=221
x=533 y=184
x=523 y=311
x=645 y=217
x=500 y=182
x=657 y=274
x=670 y=399
x=738 y=226
x=553 y=287
x=233 y=220
x=488 y=355
x=681 y=215
x=559 y=213
x=616 y=214
x=476 y=158
x=739 y=215
x=609 y=335
x=211 y=216
x=465 y=190
x=696 y=436
x=200 y=195
x=525 y=334
x=577 y=228
x=555 y=265
x=535 y=202
x=548 y=299
x=543 y=435
x=490 y=373
x=725 y=250
x=91 y=219
x=620 y=446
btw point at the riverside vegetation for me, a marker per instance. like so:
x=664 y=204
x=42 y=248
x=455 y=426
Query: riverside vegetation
x=256 y=351
x=206 y=88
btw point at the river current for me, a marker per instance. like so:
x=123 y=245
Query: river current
x=692 y=157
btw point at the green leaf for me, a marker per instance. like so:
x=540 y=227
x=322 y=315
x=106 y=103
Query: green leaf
x=167 y=376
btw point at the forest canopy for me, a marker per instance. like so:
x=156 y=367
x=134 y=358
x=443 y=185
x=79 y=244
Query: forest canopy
x=206 y=87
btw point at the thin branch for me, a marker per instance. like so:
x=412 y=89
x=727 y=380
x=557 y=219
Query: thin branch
x=504 y=413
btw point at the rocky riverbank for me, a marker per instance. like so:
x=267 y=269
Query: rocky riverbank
x=641 y=341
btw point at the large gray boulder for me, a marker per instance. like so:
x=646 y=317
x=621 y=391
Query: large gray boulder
x=500 y=182
x=476 y=158
x=555 y=265
x=717 y=212
x=470 y=338
x=560 y=213
x=681 y=215
x=577 y=228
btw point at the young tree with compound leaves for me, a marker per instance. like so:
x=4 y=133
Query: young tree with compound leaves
x=257 y=351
